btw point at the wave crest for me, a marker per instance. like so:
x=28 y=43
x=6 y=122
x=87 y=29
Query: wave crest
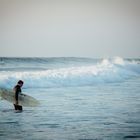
x=107 y=71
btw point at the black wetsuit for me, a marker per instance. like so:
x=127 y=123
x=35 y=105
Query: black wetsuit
x=17 y=89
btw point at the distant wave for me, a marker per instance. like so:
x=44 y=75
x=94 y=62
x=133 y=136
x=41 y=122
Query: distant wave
x=106 y=71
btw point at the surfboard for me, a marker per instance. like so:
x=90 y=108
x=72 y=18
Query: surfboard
x=24 y=99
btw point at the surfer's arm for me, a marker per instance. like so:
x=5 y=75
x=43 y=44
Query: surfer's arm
x=17 y=90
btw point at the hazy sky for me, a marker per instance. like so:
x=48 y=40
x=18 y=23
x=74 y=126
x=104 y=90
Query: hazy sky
x=55 y=28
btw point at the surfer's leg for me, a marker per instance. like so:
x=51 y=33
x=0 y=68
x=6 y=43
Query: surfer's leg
x=15 y=106
x=20 y=107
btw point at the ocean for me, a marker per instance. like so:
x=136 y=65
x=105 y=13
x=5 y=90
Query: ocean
x=80 y=99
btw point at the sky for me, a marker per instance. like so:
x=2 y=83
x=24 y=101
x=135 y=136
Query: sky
x=70 y=28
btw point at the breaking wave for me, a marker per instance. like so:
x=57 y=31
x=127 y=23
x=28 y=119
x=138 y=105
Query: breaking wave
x=105 y=71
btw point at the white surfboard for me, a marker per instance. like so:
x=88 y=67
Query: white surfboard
x=24 y=100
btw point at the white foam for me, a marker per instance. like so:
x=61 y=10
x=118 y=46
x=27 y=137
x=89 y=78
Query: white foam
x=106 y=71
x=118 y=60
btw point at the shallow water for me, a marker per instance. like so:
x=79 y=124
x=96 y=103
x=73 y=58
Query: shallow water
x=106 y=111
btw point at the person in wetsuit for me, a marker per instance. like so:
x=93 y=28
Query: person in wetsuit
x=17 y=90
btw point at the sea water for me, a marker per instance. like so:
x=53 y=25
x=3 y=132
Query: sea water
x=80 y=99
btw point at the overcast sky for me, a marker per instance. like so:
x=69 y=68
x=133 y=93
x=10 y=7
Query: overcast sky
x=79 y=28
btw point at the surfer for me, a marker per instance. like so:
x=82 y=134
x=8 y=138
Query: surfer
x=17 y=90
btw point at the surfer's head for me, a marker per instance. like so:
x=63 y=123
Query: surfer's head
x=20 y=82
